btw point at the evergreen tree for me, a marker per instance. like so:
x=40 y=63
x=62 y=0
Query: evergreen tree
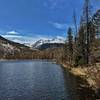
x=84 y=35
x=75 y=24
x=90 y=30
x=80 y=55
x=70 y=45
x=96 y=22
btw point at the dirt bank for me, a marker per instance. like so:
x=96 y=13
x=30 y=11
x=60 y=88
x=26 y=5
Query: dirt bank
x=88 y=80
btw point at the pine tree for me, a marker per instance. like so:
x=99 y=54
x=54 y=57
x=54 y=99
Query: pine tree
x=70 y=45
x=86 y=22
x=96 y=22
x=80 y=57
x=86 y=36
x=75 y=24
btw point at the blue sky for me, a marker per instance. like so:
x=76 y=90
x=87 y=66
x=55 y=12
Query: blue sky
x=35 y=19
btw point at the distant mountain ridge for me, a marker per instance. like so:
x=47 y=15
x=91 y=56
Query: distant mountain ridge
x=49 y=43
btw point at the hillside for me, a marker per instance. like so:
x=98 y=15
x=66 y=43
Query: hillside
x=12 y=50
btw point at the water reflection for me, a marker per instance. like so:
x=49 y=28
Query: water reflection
x=35 y=80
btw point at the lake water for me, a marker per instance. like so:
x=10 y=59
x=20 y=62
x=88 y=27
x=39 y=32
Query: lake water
x=35 y=80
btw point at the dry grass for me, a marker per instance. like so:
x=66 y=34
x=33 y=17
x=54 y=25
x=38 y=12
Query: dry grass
x=91 y=74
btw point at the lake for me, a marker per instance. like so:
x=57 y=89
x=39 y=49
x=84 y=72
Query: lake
x=35 y=80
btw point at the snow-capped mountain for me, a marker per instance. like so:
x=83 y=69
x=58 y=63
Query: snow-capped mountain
x=50 y=43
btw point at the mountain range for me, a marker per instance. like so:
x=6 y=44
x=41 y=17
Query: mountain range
x=9 y=48
x=50 y=43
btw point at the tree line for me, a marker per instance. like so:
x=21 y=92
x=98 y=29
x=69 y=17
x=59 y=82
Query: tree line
x=79 y=49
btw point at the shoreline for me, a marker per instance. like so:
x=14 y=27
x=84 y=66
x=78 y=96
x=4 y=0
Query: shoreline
x=27 y=59
x=81 y=74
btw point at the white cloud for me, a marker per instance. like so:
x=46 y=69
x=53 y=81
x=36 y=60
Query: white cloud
x=60 y=37
x=52 y=4
x=11 y=36
x=17 y=40
x=26 y=39
x=13 y=33
x=23 y=39
x=57 y=25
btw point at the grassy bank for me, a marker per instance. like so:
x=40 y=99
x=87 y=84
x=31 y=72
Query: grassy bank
x=88 y=80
